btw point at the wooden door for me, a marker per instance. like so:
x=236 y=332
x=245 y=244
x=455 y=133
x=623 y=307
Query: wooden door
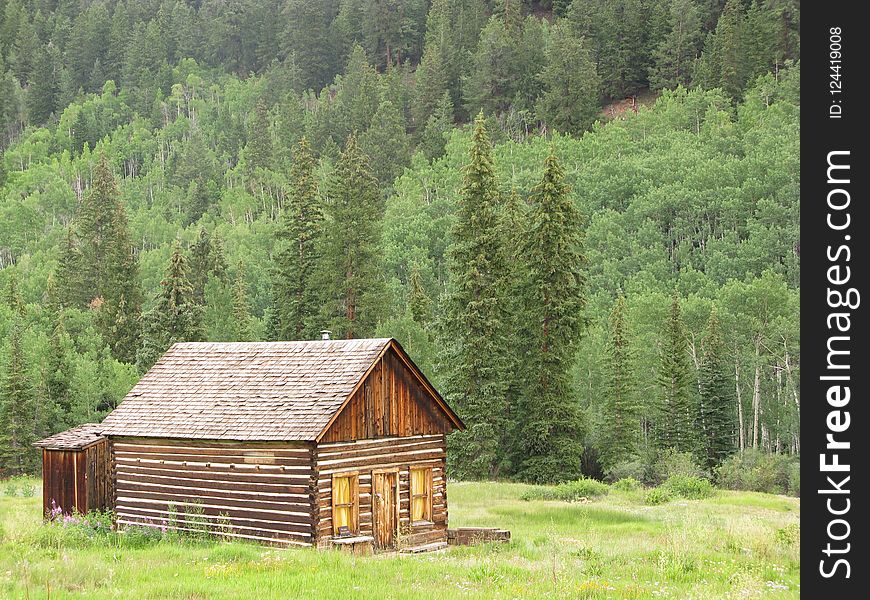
x=385 y=508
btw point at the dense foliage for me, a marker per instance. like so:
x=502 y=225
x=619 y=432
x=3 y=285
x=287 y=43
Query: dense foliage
x=203 y=170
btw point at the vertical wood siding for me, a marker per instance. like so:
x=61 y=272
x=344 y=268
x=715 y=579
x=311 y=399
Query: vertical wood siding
x=367 y=455
x=255 y=490
x=77 y=480
x=390 y=402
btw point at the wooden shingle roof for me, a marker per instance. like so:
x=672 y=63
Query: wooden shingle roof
x=76 y=438
x=244 y=390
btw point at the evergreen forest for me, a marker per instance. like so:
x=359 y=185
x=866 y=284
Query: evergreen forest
x=580 y=218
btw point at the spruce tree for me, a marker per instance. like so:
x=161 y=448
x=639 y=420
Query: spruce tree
x=121 y=311
x=95 y=222
x=570 y=102
x=434 y=137
x=59 y=375
x=259 y=148
x=715 y=418
x=349 y=262
x=620 y=427
x=206 y=259
x=474 y=352
x=550 y=432
x=676 y=55
x=176 y=317
x=68 y=272
x=386 y=139
x=675 y=419
x=724 y=63
x=17 y=411
x=419 y=305
x=241 y=307
x=295 y=298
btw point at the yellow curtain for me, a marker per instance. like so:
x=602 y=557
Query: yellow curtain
x=341 y=495
x=419 y=494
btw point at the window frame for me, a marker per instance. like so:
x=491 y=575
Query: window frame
x=429 y=492
x=353 y=526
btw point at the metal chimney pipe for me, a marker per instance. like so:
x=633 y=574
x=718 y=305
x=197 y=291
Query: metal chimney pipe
x=324 y=334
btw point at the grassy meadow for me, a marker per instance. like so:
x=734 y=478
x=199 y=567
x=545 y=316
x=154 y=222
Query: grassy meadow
x=732 y=545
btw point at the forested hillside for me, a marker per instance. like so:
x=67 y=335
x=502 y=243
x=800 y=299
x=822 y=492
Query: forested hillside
x=581 y=289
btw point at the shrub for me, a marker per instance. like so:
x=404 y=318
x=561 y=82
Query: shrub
x=627 y=484
x=11 y=490
x=28 y=491
x=693 y=488
x=636 y=469
x=569 y=491
x=670 y=462
x=657 y=496
x=757 y=471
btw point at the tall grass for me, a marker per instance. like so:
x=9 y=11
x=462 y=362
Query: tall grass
x=613 y=547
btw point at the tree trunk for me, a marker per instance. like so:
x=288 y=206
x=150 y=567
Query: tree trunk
x=741 y=436
x=756 y=396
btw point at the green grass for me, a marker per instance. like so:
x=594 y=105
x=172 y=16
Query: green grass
x=732 y=545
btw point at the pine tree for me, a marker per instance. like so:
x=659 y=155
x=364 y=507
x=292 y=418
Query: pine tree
x=350 y=275
x=44 y=88
x=550 y=433
x=59 y=375
x=241 y=307
x=206 y=258
x=570 y=102
x=176 y=317
x=121 y=311
x=294 y=295
x=386 y=139
x=475 y=356
x=68 y=273
x=439 y=124
x=724 y=62
x=17 y=411
x=675 y=419
x=95 y=223
x=620 y=427
x=676 y=55
x=13 y=295
x=419 y=305
x=715 y=420
x=259 y=149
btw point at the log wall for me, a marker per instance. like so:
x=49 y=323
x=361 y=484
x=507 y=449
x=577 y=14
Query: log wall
x=255 y=490
x=363 y=456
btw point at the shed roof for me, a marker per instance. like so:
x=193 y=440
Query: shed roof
x=245 y=390
x=77 y=438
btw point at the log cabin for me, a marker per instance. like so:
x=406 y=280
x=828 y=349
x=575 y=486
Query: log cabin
x=315 y=443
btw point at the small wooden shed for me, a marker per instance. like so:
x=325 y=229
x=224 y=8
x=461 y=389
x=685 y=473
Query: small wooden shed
x=309 y=443
x=76 y=470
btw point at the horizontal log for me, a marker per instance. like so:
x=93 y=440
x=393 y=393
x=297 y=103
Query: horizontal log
x=260 y=538
x=190 y=499
x=234 y=476
x=240 y=486
x=212 y=450
x=370 y=450
x=164 y=441
x=215 y=523
x=216 y=467
x=373 y=442
x=201 y=459
x=254 y=495
x=157 y=508
x=384 y=463
x=396 y=456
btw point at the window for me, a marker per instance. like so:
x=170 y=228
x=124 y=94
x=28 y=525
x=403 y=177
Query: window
x=421 y=494
x=345 y=507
